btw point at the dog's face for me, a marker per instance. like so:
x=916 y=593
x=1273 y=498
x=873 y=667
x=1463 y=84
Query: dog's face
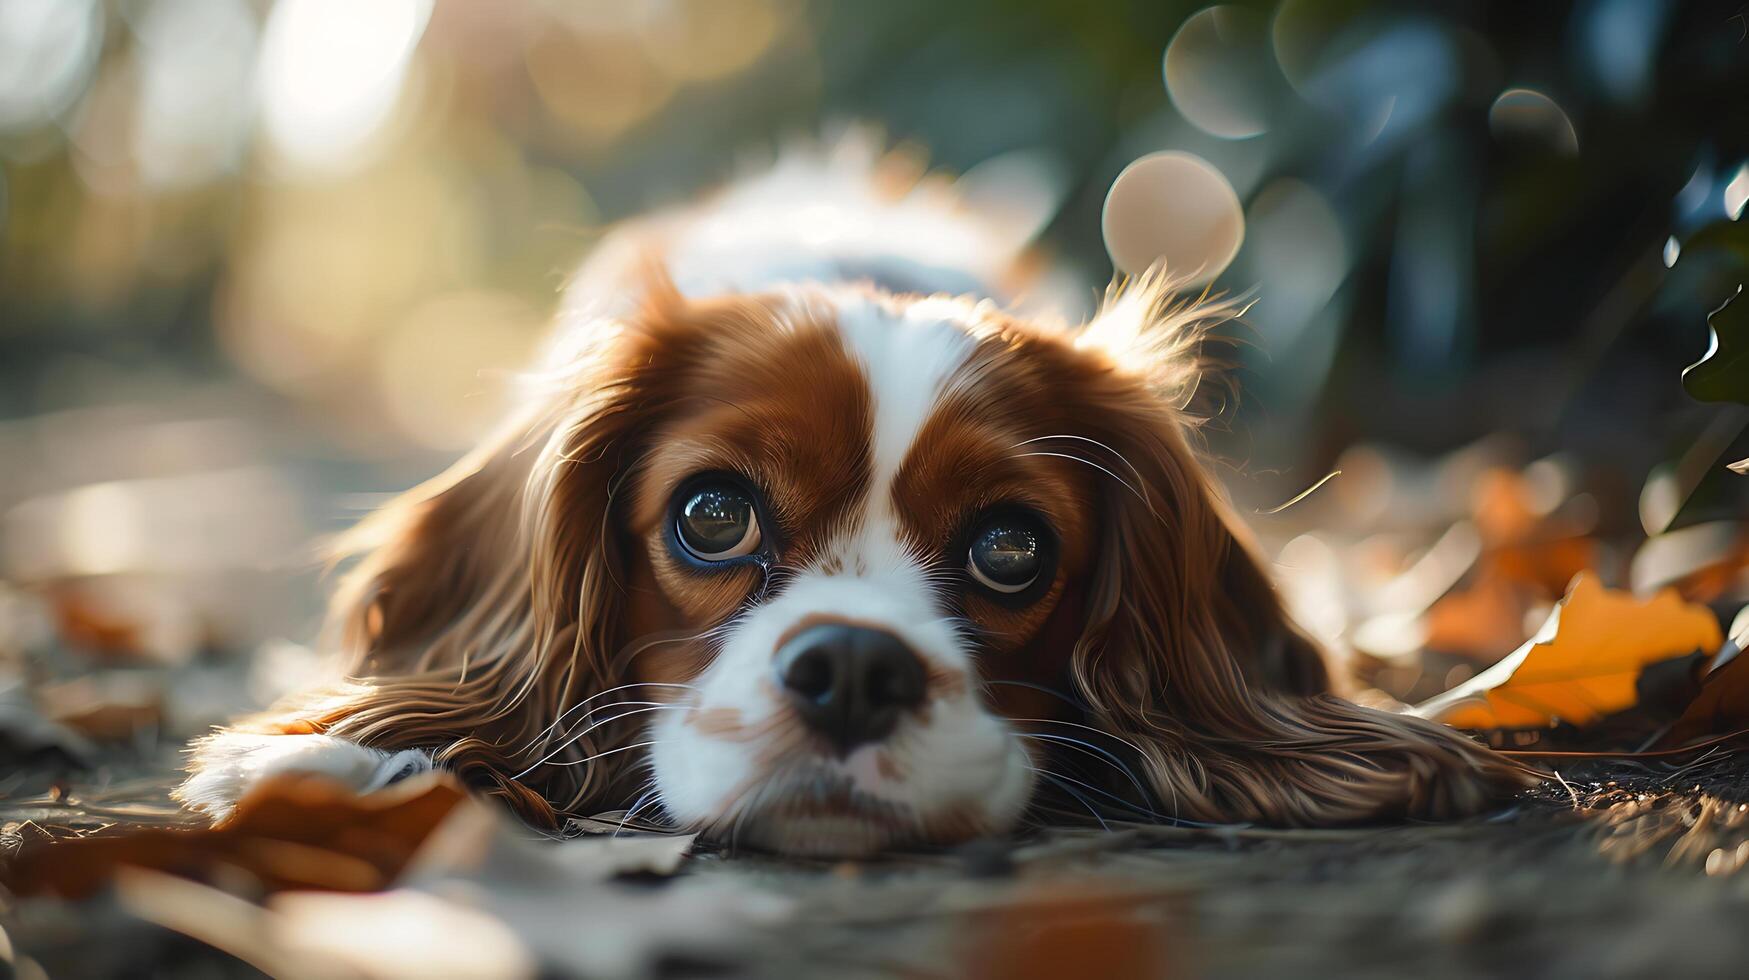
x=860 y=516
x=856 y=555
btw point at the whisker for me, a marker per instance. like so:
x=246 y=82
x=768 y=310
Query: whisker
x=603 y=755
x=1088 y=748
x=637 y=805
x=1072 y=724
x=571 y=740
x=1065 y=435
x=560 y=720
x=648 y=643
x=1056 y=781
x=1155 y=815
x=1047 y=690
x=1082 y=459
x=571 y=737
x=648 y=707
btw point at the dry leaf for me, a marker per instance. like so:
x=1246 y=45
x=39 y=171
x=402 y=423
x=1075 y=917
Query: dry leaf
x=1703 y=561
x=1722 y=706
x=113 y=706
x=1530 y=553
x=294 y=831
x=1072 y=930
x=1479 y=621
x=1582 y=664
x=1546 y=566
x=483 y=899
x=1500 y=504
x=1741 y=467
x=564 y=905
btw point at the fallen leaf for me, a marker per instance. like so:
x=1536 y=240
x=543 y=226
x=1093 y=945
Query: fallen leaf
x=478 y=840
x=1583 y=663
x=294 y=831
x=1703 y=561
x=239 y=927
x=1070 y=931
x=400 y=933
x=89 y=626
x=1479 y=621
x=1547 y=566
x=113 y=706
x=1740 y=467
x=1500 y=505
x=1722 y=706
x=562 y=900
x=1722 y=373
x=1530 y=551
x=483 y=899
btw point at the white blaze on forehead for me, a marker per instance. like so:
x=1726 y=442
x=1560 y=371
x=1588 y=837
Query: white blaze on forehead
x=907 y=353
x=958 y=757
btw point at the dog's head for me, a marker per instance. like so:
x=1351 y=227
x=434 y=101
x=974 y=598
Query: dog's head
x=849 y=570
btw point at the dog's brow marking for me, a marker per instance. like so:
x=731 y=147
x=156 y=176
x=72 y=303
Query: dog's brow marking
x=907 y=356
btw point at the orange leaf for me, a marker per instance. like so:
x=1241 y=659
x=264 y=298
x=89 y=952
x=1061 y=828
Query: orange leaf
x=293 y=831
x=1479 y=621
x=1722 y=706
x=1071 y=929
x=1582 y=664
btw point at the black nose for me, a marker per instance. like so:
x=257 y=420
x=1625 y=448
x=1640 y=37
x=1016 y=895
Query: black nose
x=850 y=683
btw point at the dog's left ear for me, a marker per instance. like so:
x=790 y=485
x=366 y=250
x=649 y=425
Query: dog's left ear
x=1188 y=652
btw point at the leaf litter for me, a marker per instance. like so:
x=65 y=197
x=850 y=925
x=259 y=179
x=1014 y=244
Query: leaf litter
x=1425 y=578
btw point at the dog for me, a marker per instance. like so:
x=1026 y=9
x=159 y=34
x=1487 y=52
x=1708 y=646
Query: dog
x=801 y=540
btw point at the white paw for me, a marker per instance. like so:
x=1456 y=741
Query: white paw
x=228 y=765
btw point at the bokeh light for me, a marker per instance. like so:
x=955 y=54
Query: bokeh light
x=1174 y=208
x=1298 y=251
x=1527 y=114
x=340 y=226
x=195 y=65
x=597 y=83
x=1737 y=193
x=331 y=73
x=716 y=39
x=47 y=51
x=1218 y=71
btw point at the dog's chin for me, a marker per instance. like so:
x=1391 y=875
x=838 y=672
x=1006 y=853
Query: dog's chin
x=823 y=815
x=824 y=835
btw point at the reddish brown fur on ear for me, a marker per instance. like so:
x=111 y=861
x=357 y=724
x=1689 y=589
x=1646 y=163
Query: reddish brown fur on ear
x=488 y=600
x=1189 y=655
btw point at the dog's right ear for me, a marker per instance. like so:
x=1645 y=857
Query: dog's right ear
x=512 y=546
x=431 y=559
x=481 y=603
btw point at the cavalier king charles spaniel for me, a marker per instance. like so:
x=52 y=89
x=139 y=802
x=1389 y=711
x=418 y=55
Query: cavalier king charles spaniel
x=801 y=538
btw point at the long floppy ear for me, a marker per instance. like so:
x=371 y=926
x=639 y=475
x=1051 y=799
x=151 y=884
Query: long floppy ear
x=488 y=600
x=1188 y=652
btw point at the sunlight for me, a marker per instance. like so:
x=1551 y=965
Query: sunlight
x=331 y=73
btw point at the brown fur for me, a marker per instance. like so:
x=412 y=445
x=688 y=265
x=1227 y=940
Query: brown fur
x=532 y=575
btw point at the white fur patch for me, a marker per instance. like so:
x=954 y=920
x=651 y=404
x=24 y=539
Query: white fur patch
x=953 y=761
x=907 y=354
x=962 y=759
x=227 y=766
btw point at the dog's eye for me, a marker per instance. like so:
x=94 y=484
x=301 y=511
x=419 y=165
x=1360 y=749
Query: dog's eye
x=1007 y=553
x=718 y=522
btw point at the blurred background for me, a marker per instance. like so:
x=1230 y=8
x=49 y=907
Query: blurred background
x=263 y=264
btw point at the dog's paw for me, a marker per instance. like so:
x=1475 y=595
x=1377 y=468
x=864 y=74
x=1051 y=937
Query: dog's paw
x=226 y=766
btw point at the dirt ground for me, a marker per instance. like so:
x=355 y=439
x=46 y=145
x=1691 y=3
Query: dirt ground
x=1612 y=870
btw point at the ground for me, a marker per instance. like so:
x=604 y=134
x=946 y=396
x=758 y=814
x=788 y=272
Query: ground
x=1615 y=869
